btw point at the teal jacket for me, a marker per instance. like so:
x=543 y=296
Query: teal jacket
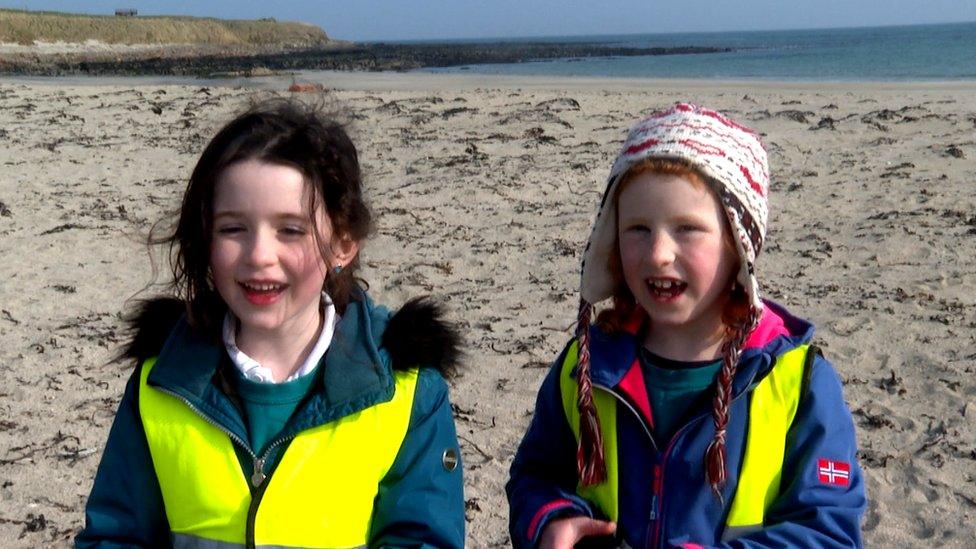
x=125 y=508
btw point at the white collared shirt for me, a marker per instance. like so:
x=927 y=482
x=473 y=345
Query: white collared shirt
x=252 y=369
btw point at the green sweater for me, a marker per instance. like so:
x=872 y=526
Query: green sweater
x=674 y=388
x=269 y=406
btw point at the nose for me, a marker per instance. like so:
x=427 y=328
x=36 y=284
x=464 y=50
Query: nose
x=662 y=251
x=261 y=249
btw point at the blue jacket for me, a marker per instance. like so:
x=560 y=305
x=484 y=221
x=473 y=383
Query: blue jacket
x=125 y=508
x=681 y=510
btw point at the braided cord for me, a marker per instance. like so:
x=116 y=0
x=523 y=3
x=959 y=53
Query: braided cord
x=590 y=461
x=715 y=466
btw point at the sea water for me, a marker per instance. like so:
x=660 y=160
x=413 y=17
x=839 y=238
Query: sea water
x=918 y=52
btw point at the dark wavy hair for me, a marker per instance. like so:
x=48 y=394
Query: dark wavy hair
x=278 y=131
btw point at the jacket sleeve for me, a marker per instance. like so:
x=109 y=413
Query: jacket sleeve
x=814 y=510
x=125 y=508
x=420 y=502
x=542 y=483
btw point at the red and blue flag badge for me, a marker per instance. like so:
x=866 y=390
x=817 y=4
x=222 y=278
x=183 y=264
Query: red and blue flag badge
x=834 y=473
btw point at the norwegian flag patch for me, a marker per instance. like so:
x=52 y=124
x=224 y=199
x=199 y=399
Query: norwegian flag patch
x=833 y=473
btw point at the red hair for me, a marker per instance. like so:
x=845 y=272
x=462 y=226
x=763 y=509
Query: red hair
x=736 y=315
x=736 y=310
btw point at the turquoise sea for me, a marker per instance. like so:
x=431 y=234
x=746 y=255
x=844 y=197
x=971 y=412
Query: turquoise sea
x=920 y=52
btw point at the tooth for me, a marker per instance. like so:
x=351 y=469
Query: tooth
x=262 y=287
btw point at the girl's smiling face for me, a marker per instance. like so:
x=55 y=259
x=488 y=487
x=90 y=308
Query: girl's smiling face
x=265 y=258
x=676 y=254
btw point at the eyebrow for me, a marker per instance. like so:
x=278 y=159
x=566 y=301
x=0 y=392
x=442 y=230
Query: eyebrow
x=677 y=219
x=233 y=214
x=692 y=219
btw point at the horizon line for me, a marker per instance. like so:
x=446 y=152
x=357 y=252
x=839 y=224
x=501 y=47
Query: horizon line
x=517 y=37
x=624 y=34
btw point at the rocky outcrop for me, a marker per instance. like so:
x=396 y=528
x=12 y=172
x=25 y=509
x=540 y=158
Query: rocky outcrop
x=186 y=61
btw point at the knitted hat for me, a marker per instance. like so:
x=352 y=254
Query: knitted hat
x=728 y=154
x=733 y=161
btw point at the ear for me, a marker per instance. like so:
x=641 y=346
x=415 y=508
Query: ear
x=344 y=250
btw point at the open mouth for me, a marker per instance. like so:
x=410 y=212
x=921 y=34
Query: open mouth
x=262 y=293
x=666 y=288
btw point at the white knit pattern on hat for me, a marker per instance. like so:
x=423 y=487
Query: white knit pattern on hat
x=724 y=151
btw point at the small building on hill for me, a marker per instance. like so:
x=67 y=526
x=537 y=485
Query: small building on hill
x=126 y=12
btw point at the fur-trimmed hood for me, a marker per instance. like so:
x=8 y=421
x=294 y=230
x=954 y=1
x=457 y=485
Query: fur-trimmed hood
x=416 y=335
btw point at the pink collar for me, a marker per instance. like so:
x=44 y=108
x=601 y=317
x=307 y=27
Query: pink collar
x=771 y=326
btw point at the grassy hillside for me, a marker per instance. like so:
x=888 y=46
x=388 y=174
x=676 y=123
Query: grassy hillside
x=24 y=27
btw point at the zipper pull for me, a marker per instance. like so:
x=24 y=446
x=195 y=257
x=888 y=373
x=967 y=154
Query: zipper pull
x=657 y=489
x=257 y=477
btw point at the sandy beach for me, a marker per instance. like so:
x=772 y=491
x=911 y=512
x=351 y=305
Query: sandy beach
x=484 y=189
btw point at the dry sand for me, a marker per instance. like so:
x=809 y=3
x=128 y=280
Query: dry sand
x=484 y=191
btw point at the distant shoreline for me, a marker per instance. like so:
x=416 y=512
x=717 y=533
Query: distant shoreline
x=429 y=81
x=188 y=60
x=928 y=53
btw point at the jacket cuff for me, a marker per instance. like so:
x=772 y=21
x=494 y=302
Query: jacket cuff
x=557 y=508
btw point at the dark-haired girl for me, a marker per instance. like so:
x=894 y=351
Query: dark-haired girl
x=273 y=404
x=693 y=413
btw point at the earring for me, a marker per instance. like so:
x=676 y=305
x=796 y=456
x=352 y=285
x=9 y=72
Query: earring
x=337 y=269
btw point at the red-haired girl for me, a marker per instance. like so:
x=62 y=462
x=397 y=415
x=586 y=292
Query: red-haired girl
x=693 y=413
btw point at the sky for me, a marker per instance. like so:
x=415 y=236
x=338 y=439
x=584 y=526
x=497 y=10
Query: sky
x=378 y=20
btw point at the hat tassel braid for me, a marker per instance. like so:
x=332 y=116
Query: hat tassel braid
x=715 y=467
x=590 y=462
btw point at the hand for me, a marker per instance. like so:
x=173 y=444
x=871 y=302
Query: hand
x=564 y=533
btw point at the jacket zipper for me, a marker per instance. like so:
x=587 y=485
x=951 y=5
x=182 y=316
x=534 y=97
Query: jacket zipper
x=206 y=418
x=258 y=478
x=623 y=401
x=261 y=483
x=653 y=518
x=657 y=497
x=657 y=490
x=667 y=452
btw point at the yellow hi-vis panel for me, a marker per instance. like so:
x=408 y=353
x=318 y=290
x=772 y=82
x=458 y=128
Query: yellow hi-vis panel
x=204 y=490
x=772 y=408
x=320 y=495
x=328 y=479
x=604 y=494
